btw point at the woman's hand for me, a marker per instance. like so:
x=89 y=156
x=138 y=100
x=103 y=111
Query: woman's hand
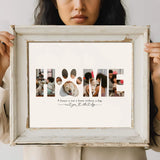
x=5 y=44
x=154 y=53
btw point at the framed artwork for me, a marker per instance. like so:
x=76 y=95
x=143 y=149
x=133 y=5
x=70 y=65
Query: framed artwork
x=80 y=85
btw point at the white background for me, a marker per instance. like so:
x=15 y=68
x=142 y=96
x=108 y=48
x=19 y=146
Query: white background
x=20 y=12
x=114 y=111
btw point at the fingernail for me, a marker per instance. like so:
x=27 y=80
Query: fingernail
x=146 y=44
x=12 y=36
x=146 y=50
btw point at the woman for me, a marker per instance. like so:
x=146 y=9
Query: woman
x=101 y=78
x=82 y=12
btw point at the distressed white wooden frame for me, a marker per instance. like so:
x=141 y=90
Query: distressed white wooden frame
x=20 y=134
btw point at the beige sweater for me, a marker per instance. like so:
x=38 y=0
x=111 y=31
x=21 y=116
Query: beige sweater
x=68 y=153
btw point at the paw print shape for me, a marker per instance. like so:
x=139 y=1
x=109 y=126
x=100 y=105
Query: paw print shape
x=69 y=83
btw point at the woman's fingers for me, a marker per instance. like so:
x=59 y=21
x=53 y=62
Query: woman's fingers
x=153 y=45
x=8 y=35
x=156 y=55
x=8 y=51
x=156 y=60
x=152 y=50
x=2 y=49
x=6 y=40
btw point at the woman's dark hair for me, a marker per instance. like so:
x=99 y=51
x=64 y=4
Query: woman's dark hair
x=113 y=77
x=153 y=112
x=111 y=13
x=87 y=76
x=46 y=13
x=103 y=79
x=50 y=79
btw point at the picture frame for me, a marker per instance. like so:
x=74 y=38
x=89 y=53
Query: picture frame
x=107 y=120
